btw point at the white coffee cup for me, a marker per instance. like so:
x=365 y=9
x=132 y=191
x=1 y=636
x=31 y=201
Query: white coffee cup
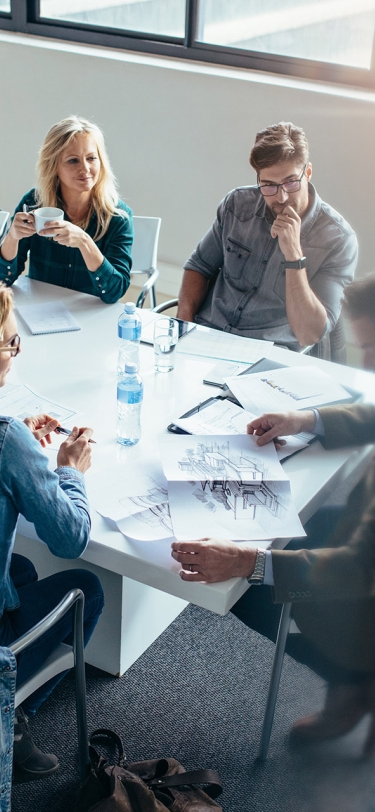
x=45 y=215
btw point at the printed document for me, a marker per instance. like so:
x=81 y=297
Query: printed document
x=224 y=346
x=286 y=389
x=20 y=401
x=224 y=417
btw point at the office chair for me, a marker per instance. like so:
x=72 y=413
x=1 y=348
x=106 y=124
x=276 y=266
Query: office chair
x=165 y=305
x=62 y=658
x=144 y=254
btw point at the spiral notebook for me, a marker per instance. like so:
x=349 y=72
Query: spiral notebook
x=49 y=317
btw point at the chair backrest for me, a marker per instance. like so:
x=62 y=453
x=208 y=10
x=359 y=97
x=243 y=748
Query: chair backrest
x=145 y=245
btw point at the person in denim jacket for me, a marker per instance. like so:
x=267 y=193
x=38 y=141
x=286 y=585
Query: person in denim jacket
x=56 y=503
x=277 y=258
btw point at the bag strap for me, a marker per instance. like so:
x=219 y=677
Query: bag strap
x=210 y=777
x=112 y=738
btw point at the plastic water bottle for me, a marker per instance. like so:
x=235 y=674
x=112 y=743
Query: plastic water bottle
x=129 y=332
x=129 y=404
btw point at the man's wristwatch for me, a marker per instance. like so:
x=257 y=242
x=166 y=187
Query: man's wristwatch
x=297 y=264
x=257 y=576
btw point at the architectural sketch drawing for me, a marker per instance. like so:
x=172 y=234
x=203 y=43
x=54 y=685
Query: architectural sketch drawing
x=227 y=487
x=233 y=479
x=155 y=495
x=137 y=505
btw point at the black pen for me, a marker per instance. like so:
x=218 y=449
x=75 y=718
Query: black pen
x=61 y=430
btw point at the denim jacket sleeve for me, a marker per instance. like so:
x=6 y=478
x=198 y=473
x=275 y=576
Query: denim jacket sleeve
x=7 y=693
x=55 y=502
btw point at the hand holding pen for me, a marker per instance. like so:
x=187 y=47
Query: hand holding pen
x=43 y=425
x=75 y=451
x=61 y=430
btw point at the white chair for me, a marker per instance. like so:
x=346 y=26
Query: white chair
x=144 y=254
x=62 y=658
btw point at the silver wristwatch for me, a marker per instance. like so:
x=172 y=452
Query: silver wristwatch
x=257 y=576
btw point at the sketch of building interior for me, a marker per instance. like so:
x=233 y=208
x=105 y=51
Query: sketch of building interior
x=157 y=516
x=154 y=507
x=155 y=495
x=234 y=480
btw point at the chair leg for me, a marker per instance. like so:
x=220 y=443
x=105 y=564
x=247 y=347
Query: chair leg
x=152 y=298
x=275 y=681
x=80 y=685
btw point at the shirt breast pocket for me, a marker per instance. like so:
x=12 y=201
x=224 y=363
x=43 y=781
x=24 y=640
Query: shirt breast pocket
x=235 y=259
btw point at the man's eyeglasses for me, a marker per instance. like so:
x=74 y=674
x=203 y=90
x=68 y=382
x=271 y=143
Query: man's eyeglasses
x=14 y=346
x=271 y=189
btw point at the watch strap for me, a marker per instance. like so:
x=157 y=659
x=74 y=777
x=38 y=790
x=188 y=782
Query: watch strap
x=257 y=576
x=297 y=264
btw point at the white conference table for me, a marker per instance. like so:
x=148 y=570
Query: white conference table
x=142 y=586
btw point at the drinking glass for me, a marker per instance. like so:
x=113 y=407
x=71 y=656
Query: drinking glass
x=165 y=343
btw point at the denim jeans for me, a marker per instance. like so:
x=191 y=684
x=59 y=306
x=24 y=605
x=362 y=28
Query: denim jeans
x=37 y=599
x=257 y=610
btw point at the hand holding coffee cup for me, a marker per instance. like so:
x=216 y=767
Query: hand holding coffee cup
x=46 y=215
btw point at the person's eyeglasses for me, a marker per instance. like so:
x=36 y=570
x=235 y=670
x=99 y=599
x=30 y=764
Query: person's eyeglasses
x=271 y=189
x=14 y=346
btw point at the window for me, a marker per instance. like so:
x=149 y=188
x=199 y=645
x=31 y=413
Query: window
x=338 y=31
x=322 y=39
x=158 y=17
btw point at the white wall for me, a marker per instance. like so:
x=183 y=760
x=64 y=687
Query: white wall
x=179 y=134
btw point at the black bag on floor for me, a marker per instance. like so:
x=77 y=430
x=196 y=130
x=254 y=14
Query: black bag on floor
x=156 y=785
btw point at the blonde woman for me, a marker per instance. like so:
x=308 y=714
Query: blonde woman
x=91 y=249
x=56 y=503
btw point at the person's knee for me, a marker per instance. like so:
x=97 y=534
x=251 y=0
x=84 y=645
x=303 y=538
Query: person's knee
x=22 y=571
x=90 y=585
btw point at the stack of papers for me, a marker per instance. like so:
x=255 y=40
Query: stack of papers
x=211 y=343
x=224 y=417
x=286 y=389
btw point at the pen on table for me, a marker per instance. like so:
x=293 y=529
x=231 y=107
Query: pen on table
x=61 y=430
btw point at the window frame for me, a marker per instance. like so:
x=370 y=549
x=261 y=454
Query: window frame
x=25 y=18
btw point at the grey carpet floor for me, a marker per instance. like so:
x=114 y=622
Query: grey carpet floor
x=198 y=694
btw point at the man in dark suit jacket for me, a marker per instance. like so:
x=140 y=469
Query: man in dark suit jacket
x=331 y=582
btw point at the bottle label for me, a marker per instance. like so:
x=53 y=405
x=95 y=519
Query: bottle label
x=129 y=395
x=129 y=332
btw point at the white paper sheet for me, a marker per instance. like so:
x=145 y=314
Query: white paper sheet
x=288 y=388
x=135 y=503
x=227 y=487
x=220 y=417
x=223 y=346
x=21 y=401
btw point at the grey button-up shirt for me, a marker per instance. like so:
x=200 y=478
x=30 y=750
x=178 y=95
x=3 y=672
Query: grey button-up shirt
x=244 y=265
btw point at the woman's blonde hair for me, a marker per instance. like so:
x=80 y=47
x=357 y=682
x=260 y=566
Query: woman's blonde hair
x=6 y=306
x=104 y=197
